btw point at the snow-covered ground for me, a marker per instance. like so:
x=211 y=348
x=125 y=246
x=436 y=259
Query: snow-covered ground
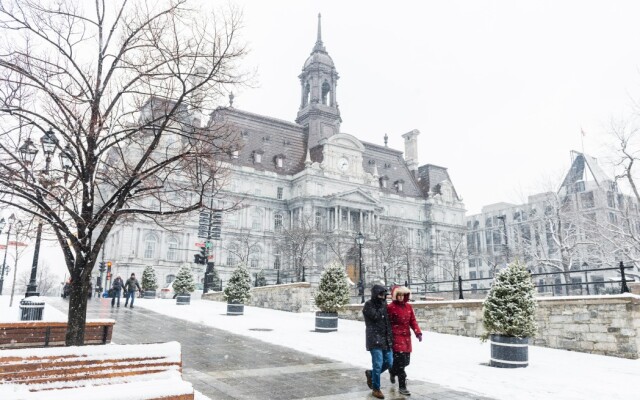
x=453 y=361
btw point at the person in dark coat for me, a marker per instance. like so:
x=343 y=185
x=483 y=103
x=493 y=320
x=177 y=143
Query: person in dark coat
x=116 y=287
x=403 y=319
x=379 y=337
x=130 y=289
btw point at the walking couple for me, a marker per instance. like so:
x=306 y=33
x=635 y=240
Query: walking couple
x=389 y=336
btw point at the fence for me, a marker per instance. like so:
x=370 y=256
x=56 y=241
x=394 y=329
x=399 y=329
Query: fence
x=599 y=286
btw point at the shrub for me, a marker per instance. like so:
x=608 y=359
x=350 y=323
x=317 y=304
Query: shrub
x=510 y=307
x=184 y=282
x=333 y=291
x=239 y=284
x=149 y=280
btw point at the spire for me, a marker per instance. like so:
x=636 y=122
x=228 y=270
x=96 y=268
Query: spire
x=319 y=45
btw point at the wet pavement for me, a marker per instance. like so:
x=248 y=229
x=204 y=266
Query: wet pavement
x=224 y=366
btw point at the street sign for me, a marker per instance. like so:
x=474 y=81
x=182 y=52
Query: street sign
x=199 y=244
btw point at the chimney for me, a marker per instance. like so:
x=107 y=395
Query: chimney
x=411 y=149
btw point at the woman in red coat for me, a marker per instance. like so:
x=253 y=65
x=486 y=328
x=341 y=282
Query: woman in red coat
x=402 y=318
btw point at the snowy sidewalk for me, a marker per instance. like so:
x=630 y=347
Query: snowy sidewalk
x=456 y=362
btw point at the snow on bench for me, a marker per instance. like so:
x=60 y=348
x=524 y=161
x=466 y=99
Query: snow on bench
x=151 y=371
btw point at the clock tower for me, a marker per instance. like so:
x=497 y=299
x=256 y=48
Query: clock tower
x=319 y=113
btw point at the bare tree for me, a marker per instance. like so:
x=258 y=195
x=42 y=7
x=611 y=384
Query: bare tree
x=455 y=256
x=388 y=250
x=47 y=280
x=122 y=91
x=298 y=240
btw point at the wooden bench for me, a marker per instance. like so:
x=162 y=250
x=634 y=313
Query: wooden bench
x=47 y=333
x=150 y=371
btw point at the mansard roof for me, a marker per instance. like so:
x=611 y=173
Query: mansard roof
x=431 y=176
x=271 y=136
x=390 y=164
x=584 y=168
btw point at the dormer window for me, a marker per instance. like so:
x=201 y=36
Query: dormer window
x=235 y=153
x=384 y=182
x=399 y=185
x=279 y=160
x=257 y=156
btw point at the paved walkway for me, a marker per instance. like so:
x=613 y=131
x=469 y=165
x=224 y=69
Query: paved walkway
x=224 y=366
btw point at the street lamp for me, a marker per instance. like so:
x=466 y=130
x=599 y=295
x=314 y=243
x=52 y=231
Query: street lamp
x=360 y=242
x=28 y=153
x=11 y=220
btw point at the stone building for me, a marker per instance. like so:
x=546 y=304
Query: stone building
x=297 y=194
x=585 y=225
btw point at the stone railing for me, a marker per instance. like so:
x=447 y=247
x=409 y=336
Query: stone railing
x=608 y=325
x=293 y=297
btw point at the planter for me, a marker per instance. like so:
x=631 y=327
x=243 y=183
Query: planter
x=509 y=352
x=234 y=308
x=326 y=322
x=149 y=294
x=183 y=299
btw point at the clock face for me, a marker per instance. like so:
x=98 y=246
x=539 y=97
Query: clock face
x=343 y=164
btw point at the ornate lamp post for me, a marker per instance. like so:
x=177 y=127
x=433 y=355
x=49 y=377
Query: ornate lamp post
x=28 y=153
x=360 y=242
x=11 y=220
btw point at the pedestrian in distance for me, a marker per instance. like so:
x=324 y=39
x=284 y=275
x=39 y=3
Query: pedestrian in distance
x=130 y=289
x=116 y=287
x=379 y=338
x=403 y=320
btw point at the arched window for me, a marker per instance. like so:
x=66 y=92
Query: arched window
x=326 y=94
x=231 y=256
x=170 y=278
x=254 y=257
x=150 y=244
x=307 y=95
x=277 y=222
x=172 y=249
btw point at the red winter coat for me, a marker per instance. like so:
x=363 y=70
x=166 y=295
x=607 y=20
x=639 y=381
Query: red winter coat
x=402 y=318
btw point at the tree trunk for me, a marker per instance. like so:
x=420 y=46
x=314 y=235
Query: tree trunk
x=77 y=313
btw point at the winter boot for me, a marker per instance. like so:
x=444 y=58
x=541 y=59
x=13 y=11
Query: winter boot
x=368 y=375
x=377 y=394
x=402 y=382
x=404 y=391
x=392 y=377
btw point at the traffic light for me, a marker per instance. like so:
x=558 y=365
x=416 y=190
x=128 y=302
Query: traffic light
x=202 y=257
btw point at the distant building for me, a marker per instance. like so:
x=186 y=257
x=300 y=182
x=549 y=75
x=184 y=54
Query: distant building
x=305 y=189
x=580 y=227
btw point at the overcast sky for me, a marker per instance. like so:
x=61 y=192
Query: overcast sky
x=499 y=90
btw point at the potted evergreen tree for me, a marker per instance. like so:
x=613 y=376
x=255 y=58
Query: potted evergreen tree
x=332 y=295
x=509 y=317
x=149 y=282
x=184 y=285
x=237 y=290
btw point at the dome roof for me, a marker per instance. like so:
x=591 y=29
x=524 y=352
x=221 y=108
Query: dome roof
x=319 y=57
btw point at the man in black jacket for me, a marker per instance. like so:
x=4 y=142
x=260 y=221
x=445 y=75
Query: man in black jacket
x=379 y=338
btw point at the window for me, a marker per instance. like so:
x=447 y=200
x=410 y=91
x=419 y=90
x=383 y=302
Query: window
x=256 y=219
x=279 y=161
x=170 y=278
x=276 y=261
x=277 y=222
x=254 y=257
x=326 y=94
x=280 y=193
x=172 y=249
x=587 y=200
x=318 y=220
x=150 y=244
x=231 y=256
x=257 y=157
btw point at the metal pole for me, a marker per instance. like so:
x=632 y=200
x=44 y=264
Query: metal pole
x=4 y=261
x=361 y=274
x=460 y=297
x=32 y=287
x=624 y=288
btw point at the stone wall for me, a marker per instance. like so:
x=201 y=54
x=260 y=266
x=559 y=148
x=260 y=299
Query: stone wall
x=293 y=297
x=608 y=325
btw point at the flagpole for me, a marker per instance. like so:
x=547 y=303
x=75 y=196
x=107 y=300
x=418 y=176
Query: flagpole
x=582 y=135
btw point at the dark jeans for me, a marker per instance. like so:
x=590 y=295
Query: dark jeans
x=381 y=360
x=130 y=294
x=400 y=361
x=116 y=295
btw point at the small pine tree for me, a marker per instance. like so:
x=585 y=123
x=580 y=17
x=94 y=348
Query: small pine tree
x=149 y=280
x=184 y=282
x=261 y=280
x=333 y=291
x=237 y=289
x=215 y=281
x=510 y=307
